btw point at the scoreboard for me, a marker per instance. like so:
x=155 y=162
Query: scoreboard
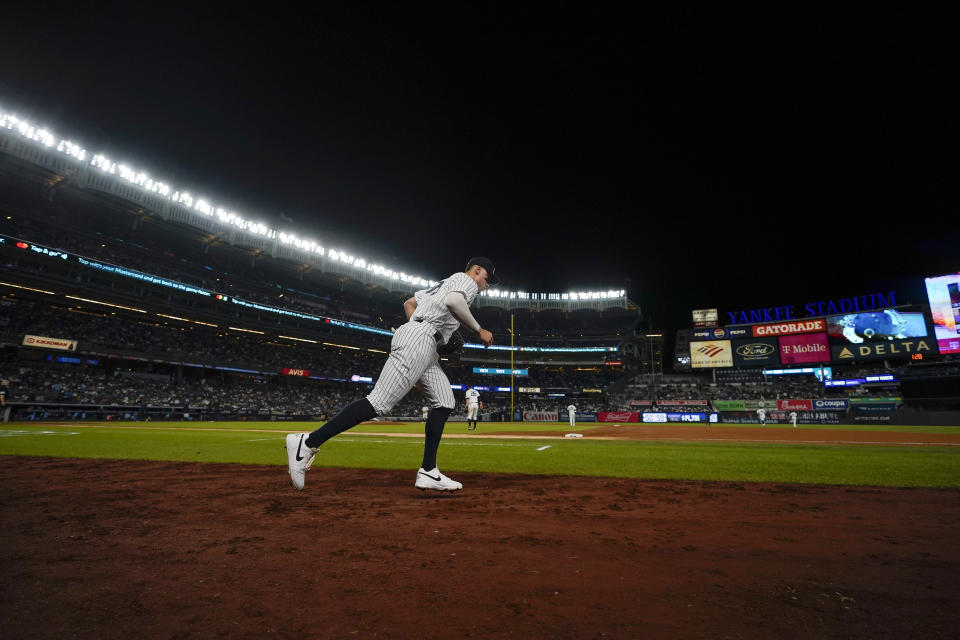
x=881 y=334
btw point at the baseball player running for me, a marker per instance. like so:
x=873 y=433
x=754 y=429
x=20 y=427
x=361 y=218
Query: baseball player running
x=473 y=407
x=762 y=416
x=433 y=315
x=572 y=412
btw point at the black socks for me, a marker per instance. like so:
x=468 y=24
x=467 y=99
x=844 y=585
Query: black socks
x=349 y=417
x=356 y=412
x=436 y=420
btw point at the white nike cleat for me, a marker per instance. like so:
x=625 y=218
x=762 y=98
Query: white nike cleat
x=435 y=480
x=299 y=458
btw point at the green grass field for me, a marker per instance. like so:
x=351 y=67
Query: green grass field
x=262 y=443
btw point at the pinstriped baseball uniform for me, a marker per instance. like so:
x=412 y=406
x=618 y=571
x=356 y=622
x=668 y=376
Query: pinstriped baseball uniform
x=413 y=356
x=473 y=403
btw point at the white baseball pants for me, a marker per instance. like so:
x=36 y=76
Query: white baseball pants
x=413 y=360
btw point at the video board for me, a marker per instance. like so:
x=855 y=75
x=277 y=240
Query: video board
x=943 y=293
x=876 y=326
x=887 y=333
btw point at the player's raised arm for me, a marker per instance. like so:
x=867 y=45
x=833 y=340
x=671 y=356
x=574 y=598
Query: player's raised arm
x=457 y=305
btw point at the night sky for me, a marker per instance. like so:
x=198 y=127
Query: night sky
x=695 y=159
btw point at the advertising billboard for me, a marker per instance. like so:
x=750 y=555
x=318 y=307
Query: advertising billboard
x=759 y=352
x=661 y=417
x=943 y=293
x=712 y=354
x=705 y=317
x=886 y=349
x=540 y=416
x=875 y=326
x=830 y=404
x=789 y=328
x=618 y=416
x=795 y=405
x=61 y=344
x=806 y=347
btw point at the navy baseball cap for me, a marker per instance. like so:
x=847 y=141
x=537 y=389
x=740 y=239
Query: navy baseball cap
x=487 y=264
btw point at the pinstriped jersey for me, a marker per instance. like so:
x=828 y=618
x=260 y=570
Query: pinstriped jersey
x=473 y=396
x=432 y=310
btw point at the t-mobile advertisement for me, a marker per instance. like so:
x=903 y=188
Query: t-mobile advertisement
x=803 y=348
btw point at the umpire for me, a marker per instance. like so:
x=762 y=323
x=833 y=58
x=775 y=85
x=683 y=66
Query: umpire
x=434 y=316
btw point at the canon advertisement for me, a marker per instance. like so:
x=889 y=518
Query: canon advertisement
x=540 y=416
x=943 y=292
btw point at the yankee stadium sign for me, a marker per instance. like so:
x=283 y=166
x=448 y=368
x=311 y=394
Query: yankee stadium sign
x=813 y=309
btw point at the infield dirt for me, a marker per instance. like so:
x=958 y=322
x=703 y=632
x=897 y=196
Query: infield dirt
x=111 y=549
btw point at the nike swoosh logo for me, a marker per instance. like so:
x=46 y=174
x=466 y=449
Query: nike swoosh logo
x=299 y=447
x=437 y=479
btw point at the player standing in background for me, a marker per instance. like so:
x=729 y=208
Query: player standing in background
x=433 y=315
x=762 y=416
x=793 y=418
x=572 y=412
x=473 y=407
x=424 y=410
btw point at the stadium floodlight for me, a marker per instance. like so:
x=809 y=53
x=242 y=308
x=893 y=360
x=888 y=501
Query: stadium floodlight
x=203 y=206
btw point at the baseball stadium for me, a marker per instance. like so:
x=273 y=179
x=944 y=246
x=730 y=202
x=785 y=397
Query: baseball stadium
x=773 y=472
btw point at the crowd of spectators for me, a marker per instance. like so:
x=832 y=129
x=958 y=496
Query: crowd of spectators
x=158 y=251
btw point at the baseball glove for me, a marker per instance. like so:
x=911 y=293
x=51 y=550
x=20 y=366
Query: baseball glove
x=454 y=344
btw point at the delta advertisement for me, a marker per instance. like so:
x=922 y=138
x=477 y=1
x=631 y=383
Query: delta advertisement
x=892 y=349
x=709 y=355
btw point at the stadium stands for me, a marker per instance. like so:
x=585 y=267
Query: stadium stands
x=171 y=320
